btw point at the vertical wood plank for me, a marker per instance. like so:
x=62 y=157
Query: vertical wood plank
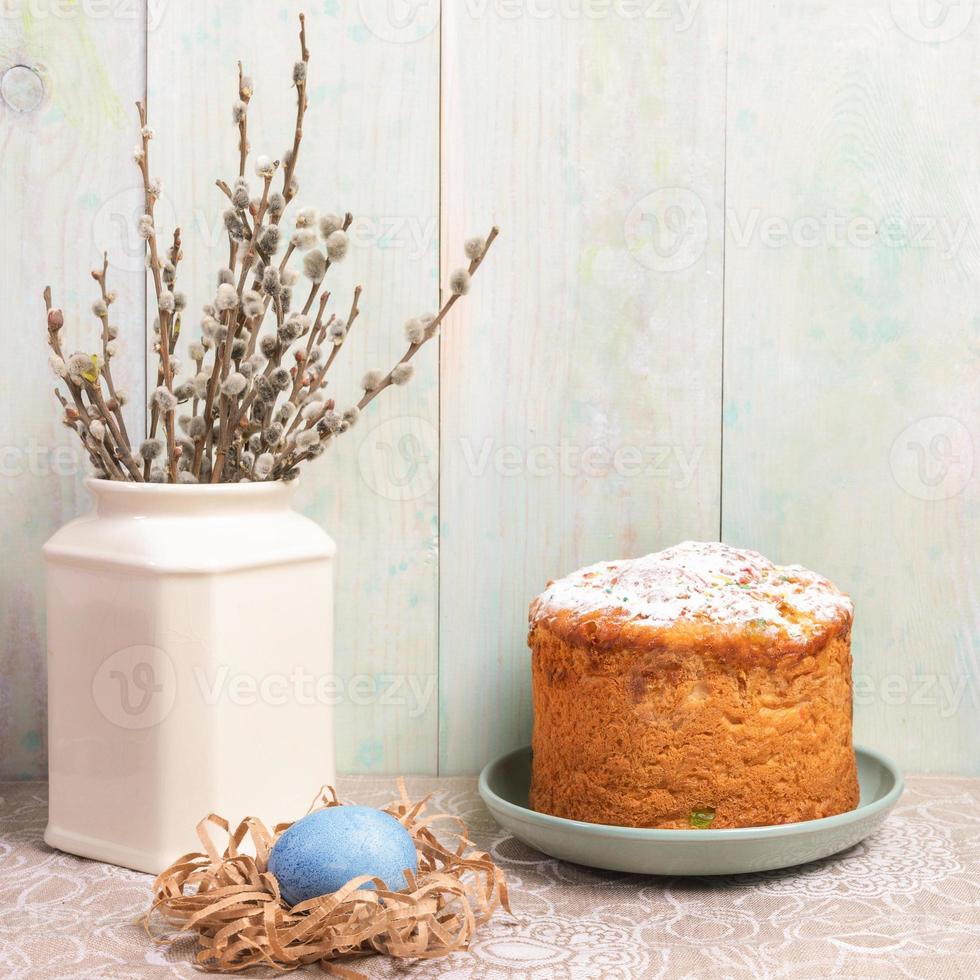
x=580 y=385
x=581 y=380
x=370 y=147
x=63 y=163
x=851 y=384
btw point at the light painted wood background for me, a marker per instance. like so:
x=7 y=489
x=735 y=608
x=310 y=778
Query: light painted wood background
x=735 y=295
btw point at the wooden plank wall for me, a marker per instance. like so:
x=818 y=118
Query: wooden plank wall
x=581 y=387
x=733 y=295
x=852 y=377
x=371 y=147
x=62 y=164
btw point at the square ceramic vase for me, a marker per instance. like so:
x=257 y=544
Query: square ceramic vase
x=189 y=667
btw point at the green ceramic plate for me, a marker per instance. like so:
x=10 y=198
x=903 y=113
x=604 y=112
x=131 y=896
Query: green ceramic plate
x=504 y=787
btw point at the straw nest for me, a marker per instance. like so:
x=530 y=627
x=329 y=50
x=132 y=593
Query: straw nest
x=232 y=903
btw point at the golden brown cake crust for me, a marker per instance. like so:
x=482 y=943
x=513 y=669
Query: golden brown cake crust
x=644 y=723
x=702 y=594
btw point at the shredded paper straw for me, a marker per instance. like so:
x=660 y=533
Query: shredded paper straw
x=233 y=904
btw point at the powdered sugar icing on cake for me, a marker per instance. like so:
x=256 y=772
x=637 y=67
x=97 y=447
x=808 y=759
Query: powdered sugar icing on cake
x=704 y=582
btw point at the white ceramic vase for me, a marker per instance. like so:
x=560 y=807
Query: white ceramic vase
x=190 y=639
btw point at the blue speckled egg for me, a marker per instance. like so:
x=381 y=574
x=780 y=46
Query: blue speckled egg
x=324 y=850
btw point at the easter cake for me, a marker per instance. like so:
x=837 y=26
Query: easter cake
x=701 y=686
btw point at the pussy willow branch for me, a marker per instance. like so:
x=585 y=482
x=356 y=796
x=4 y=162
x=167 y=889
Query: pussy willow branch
x=122 y=453
x=222 y=364
x=226 y=190
x=301 y=104
x=105 y=456
x=289 y=170
x=100 y=278
x=96 y=460
x=175 y=256
x=348 y=220
x=164 y=315
x=230 y=320
x=222 y=352
x=431 y=329
x=318 y=380
x=289 y=459
x=269 y=416
x=244 y=93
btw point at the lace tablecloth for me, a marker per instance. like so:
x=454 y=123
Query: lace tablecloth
x=905 y=903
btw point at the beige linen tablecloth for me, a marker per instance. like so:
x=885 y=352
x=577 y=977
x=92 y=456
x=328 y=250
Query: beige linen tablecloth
x=905 y=903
